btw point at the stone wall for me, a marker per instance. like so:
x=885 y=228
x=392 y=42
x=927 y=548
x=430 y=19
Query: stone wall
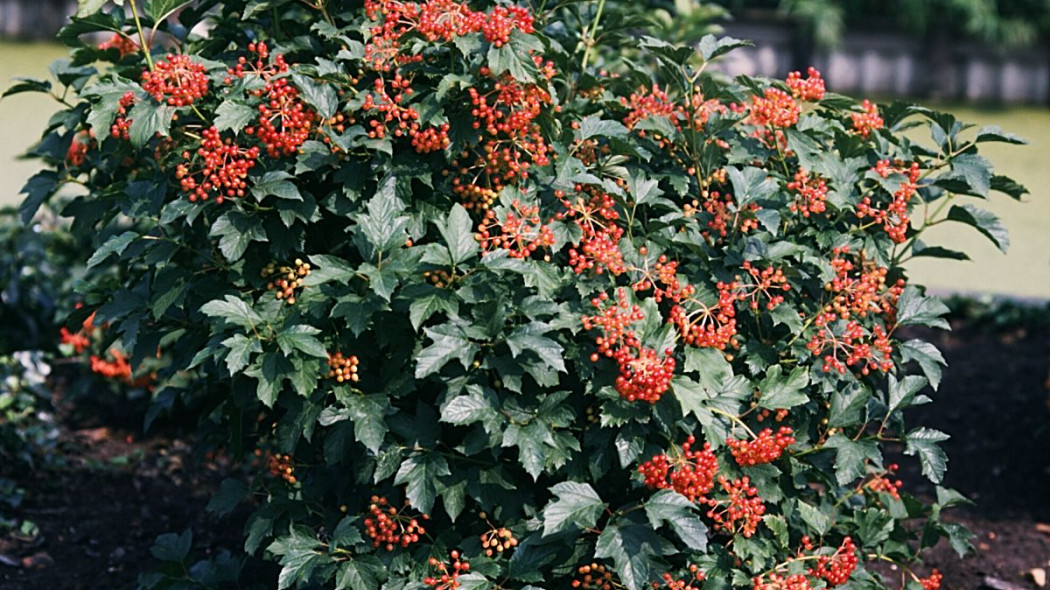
x=872 y=64
x=889 y=64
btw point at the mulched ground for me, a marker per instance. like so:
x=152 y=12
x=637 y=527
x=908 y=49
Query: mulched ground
x=99 y=515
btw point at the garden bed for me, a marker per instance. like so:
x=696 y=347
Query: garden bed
x=98 y=515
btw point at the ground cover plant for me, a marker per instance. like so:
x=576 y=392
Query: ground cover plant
x=511 y=296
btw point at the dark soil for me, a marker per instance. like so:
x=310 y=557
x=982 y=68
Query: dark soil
x=995 y=404
x=99 y=514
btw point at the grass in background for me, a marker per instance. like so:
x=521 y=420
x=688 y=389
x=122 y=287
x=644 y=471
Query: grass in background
x=22 y=116
x=1024 y=272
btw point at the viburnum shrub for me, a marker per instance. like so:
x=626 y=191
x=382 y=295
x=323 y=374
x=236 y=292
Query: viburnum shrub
x=510 y=298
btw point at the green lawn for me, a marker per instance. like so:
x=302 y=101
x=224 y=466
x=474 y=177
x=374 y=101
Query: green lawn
x=1024 y=272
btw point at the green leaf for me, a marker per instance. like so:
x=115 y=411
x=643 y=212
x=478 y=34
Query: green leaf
x=37 y=189
x=27 y=85
x=420 y=474
x=632 y=548
x=711 y=47
x=115 y=245
x=996 y=133
x=473 y=581
x=160 y=10
x=233 y=310
x=241 y=349
x=458 y=233
x=577 y=505
x=231 y=493
x=642 y=189
x=780 y=392
x=916 y=309
x=530 y=338
x=929 y=358
x=147 y=120
x=87 y=8
x=448 y=342
x=234 y=115
x=514 y=57
x=923 y=442
x=277 y=183
x=434 y=300
x=594 y=126
x=751 y=184
x=1008 y=186
x=360 y=573
x=320 y=96
x=467 y=409
x=301 y=338
x=383 y=225
x=959 y=537
x=984 y=221
x=236 y=231
x=902 y=393
x=325 y=268
x=975 y=171
x=297 y=552
x=814 y=517
x=172 y=547
x=674 y=509
x=852 y=456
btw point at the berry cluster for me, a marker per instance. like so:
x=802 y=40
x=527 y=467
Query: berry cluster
x=436 y=21
x=260 y=66
x=118 y=369
x=741 y=511
x=726 y=215
x=643 y=374
x=690 y=473
x=812 y=194
x=662 y=278
x=510 y=140
x=440 y=278
x=447 y=577
x=80 y=339
x=497 y=540
x=224 y=166
x=502 y=20
x=765 y=448
x=177 y=82
x=707 y=325
x=284 y=280
x=894 y=217
x=649 y=102
x=867 y=120
x=521 y=232
x=856 y=296
x=594 y=576
x=810 y=89
x=121 y=124
x=670 y=583
x=598 y=248
x=933 y=582
x=281 y=466
x=776 y=581
x=122 y=43
x=285 y=122
x=837 y=568
x=881 y=483
x=764 y=282
x=390 y=528
x=78 y=148
x=775 y=108
x=342 y=368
